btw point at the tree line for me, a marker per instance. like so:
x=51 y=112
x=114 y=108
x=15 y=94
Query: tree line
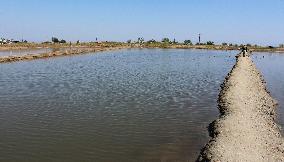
x=168 y=41
x=141 y=40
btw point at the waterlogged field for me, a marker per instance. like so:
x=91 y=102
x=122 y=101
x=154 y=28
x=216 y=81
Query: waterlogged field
x=127 y=105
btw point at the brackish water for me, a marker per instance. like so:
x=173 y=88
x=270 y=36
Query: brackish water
x=116 y=106
x=271 y=66
x=24 y=52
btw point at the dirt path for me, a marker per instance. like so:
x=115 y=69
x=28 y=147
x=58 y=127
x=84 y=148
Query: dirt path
x=246 y=129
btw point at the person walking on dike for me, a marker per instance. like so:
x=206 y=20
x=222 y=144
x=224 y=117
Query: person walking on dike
x=244 y=50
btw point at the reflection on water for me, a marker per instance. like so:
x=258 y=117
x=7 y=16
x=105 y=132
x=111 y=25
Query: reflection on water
x=128 y=105
x=24 y=52
x=271 y=66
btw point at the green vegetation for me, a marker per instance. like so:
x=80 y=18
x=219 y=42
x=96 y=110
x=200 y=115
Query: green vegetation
x=62 y=41
x=151 y=41
x=140 y=40
x=56 y=40
x=187 y=42
x=166 y=40
x=210 y=43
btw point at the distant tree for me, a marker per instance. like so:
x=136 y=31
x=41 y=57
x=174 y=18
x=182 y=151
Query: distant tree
x=77 y=42
x=128 y=41
x=231 y=44
x=151 y=41
x=63 y=41
x=249 y=45
x=55 y=40
x=210 y=43
x=187 y=42
x=166 y=40
x=140 y=40
x=224 y=44
x=281 y=45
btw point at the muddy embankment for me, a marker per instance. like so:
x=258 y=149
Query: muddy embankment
x=246 y=129
x=58 y=52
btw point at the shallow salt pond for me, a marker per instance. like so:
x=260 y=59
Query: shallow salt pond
x=271 y=66
x=126 y=105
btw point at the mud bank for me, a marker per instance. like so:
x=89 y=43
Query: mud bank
x=246 y=129
x=56 y=53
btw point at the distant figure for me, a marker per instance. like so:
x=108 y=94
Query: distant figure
x=244 y=50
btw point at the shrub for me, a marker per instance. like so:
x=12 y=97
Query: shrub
x=140 y=40
x=166 y=40
x=63 y=41
x=55 y=40
x=151 y=41
x=187 y=42
x=210 y=43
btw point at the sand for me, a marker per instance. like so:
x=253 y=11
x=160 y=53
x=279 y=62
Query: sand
x=246 y=129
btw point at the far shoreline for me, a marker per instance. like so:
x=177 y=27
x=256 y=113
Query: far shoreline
x=83 y=48
x=27 y=46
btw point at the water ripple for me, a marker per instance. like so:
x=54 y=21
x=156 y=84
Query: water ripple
x=128 y=105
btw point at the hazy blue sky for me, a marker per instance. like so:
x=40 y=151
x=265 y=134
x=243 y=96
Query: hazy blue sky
x=236 y=21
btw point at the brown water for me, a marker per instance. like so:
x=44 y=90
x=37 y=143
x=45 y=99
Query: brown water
x=117 y=106
x=271 y=66
x=24 y=52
